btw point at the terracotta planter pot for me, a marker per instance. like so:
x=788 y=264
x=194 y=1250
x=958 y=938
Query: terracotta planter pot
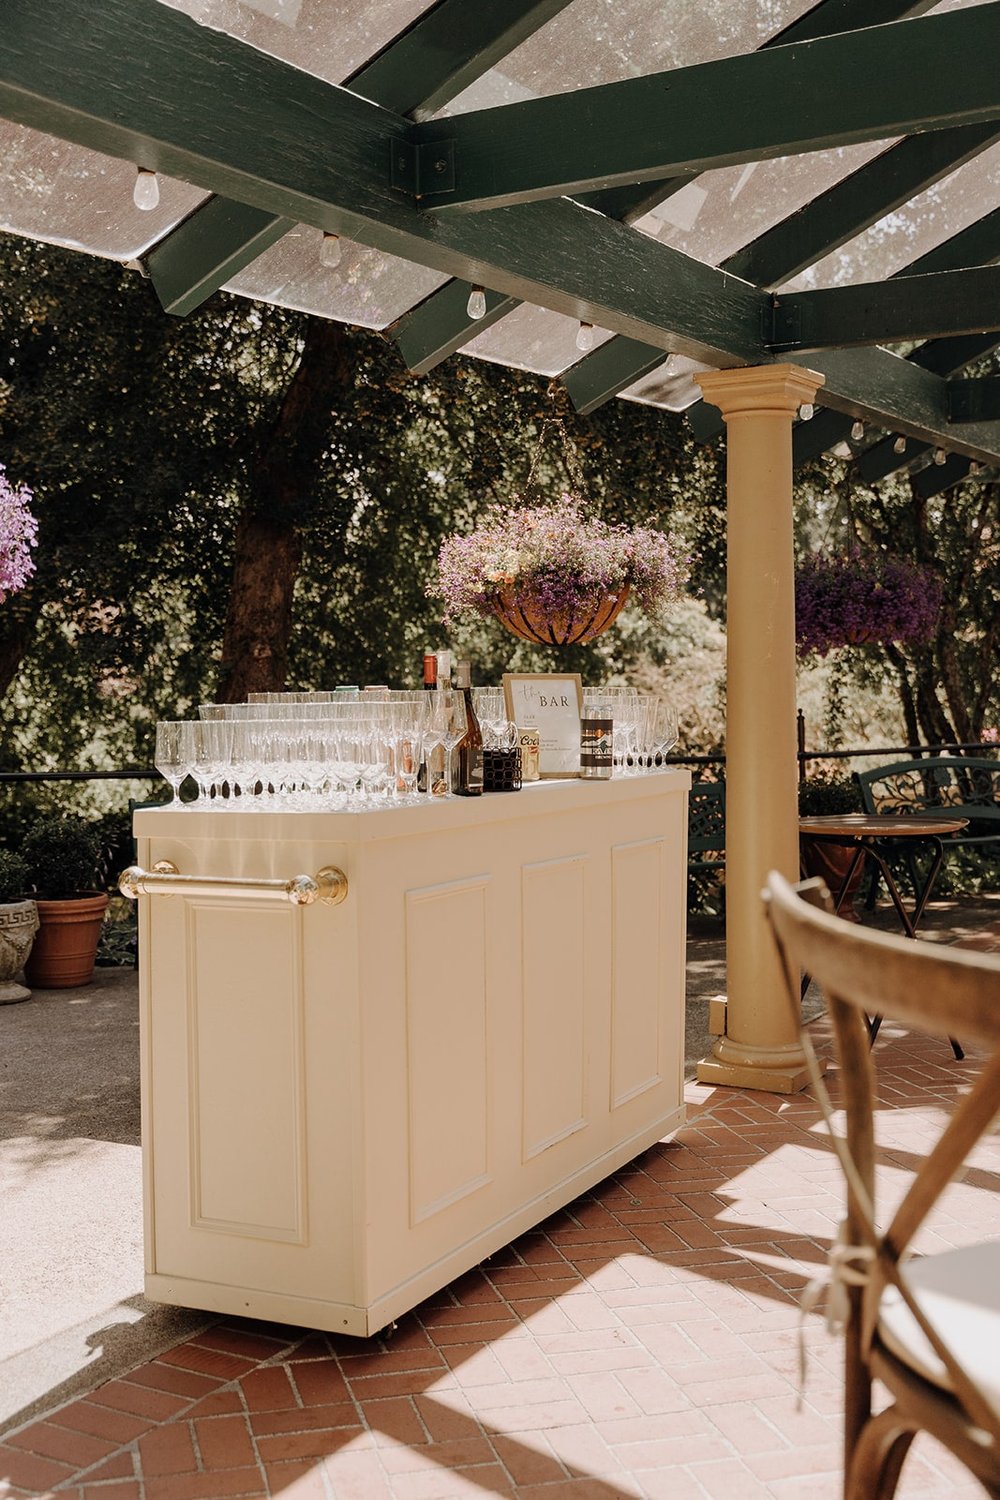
x=66 y=946
x=18 y=925
x=529 y=622
x=832 y=862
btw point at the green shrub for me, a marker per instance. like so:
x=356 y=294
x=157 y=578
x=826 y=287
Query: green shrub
x=62 y=857
x=826 y=796
x=13 y=876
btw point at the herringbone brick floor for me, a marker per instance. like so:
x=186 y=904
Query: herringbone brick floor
x=642 y=1342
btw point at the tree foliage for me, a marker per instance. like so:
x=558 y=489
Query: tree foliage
x=248 y=497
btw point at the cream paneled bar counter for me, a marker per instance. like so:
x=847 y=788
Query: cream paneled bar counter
x=347 y=1105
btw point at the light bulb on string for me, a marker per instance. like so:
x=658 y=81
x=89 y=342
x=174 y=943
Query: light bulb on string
x=585 y=337
x=974 y=469
x=939 y=456
x=330 y=251
x=476 y=305
x=807 y=411
x=899 y=446
x=146 y=192
x=857 y=432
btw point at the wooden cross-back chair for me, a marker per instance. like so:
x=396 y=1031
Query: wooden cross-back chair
x=927 y=1327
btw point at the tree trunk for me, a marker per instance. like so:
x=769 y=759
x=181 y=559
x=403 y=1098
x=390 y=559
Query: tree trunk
x=18 y=619
x=268 y=548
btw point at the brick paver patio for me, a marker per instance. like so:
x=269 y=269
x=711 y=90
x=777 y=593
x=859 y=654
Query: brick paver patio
x=642 y=1342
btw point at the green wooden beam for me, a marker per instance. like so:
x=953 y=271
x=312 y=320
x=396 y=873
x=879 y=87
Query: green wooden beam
x=851 y=206
x=826 y=19
x=629 y=203
x=141 y=81
x=858 y=201
x=979 y=244
x=611 y=368
x=806 y=96
x=208 y=249
x=881 y=459
x=438 y=326
x=937 y=478
x=974 y=400
x=445 y=50
x=886 y=312
x=809 y=439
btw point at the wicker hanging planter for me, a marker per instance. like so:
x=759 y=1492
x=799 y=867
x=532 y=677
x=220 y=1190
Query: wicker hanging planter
x=552 y=572
x=533 y=623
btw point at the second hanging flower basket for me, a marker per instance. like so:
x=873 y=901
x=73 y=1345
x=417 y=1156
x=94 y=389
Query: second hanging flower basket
x=859 y=597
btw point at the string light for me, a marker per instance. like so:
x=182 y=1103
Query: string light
x=857 y=432
x=939 y=456
x=146 y=192
x=807 y=411
x=899 y=446
x=330 y=251
x=585 y=337
x=476 y=305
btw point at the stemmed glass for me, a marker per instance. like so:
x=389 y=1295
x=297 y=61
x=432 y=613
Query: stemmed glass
x=491 y=711
x=174 y=753
x=664 y=731
x=408 y=720
x=448 y=723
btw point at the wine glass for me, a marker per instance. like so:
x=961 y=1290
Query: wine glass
x=174 y=753
x=664 y=732
x=448 y=724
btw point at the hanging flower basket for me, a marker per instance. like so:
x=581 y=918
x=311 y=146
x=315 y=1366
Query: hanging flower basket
x=567 y=628
x=553 y=575
x=857 y=598
x=551 y=571
x=18 y=534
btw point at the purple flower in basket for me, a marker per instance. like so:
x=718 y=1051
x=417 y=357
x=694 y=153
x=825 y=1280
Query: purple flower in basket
x=856 y=597
x=557 y=561
x=18 y=534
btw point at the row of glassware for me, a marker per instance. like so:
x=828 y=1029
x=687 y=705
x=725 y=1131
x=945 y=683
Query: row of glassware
x=354 y=749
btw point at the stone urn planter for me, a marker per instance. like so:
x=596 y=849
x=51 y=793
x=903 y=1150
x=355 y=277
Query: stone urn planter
x=18 y=925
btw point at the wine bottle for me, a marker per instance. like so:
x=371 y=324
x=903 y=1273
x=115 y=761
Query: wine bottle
x=436 y=784
x=430 y=684
x=469 y=760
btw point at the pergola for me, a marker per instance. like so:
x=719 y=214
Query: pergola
x=740 y=210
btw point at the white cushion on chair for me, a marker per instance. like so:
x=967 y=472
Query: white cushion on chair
x=958 y=1292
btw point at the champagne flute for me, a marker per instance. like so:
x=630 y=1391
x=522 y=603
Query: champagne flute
x=174 y=753
x=449 y=724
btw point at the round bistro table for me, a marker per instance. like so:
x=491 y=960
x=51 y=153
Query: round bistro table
x=873 y=837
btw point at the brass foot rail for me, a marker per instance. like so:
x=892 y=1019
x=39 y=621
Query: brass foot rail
x=328 y=884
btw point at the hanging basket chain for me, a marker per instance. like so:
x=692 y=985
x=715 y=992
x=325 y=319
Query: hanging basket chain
x=554 y=423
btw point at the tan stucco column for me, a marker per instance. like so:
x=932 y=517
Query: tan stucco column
x=760 y=1048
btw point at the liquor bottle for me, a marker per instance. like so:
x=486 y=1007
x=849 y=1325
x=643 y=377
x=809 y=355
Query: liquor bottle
x=430 y=684
x=469 y=760
x=597 y=741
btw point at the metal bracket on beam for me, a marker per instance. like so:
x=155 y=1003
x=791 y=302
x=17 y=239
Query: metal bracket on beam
x=422 y=168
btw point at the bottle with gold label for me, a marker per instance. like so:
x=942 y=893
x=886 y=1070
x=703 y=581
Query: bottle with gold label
x=469 y=760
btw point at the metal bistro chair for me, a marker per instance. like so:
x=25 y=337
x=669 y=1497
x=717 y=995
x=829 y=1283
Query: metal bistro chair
x=927 y=1327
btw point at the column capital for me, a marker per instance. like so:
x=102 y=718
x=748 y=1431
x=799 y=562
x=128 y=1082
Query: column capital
x=760 y=388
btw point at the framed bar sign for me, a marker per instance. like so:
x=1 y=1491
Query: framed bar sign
x=553 y=702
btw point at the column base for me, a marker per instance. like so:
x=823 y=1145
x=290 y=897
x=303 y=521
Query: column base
x=775 y=1070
